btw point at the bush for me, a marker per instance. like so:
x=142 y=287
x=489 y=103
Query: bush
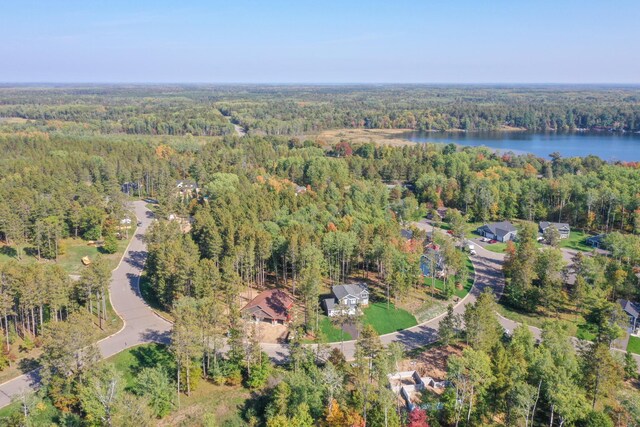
x=259 y=374
x=110 y=244
x=154 y=383
x=93 y=233
x=596 y=419
x=232 y=373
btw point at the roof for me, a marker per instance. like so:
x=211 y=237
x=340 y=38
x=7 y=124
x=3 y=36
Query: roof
x=500 y=229
x=558 y=225
x=329 y=303
x=273 y=303
x=598 y=238
x=406 y=233
x=630 y=307
x=353 y=289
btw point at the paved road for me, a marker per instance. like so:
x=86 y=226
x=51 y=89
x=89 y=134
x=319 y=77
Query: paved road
x=141 y=324
x=488 y=271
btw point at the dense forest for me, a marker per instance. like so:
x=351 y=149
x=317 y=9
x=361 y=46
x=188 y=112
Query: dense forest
x=275 y=209
x=296 y=110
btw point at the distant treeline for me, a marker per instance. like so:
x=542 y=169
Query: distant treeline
x=295 y=110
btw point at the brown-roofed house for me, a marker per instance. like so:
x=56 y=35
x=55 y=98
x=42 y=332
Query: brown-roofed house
x=270 y=306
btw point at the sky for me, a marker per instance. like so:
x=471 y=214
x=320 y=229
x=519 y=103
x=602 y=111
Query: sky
x=304 y=41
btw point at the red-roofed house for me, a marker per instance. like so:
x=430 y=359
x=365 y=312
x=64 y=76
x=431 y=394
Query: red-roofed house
x=270 y=306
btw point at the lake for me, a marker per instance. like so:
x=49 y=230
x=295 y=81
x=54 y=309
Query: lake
x=606 y=145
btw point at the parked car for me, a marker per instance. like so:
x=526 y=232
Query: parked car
x=493 y=241
x=472 y=252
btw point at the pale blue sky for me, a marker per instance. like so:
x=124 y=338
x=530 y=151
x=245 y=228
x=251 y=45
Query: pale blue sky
x=420 y=41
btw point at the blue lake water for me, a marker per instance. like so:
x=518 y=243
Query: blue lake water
x=606 y=145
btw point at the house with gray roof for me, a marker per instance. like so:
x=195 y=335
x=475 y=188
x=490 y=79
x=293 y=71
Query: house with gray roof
x=346 y=299
x=501 y=231
x=633 y=311
x=563 y=228
x=596 y=241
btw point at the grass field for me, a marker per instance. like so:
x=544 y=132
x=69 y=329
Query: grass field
x=634 y=345
x=74 y=250
x=389 y=320
x=576 y=326
x=576 y=240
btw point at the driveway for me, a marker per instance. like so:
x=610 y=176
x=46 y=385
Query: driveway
x=141 y=324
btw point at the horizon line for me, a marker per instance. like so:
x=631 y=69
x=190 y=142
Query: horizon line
x=294 y=83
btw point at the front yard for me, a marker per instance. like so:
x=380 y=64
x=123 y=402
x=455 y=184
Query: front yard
x=576 y=241
x=386 y=320
x=634 y=345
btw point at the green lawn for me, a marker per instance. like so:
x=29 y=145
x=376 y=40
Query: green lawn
x=634 y=345
x=389 y=320
x=499 y=247
x=576 y=240
x=331 y=332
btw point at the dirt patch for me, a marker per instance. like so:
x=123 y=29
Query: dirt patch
x=432 y=363
x=272 y=333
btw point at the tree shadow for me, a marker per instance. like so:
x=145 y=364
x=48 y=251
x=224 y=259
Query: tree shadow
x=28 y=364
x=136 y=259
x=158 y=337
x=30 y=251
x=9 y=251
x=152 y=356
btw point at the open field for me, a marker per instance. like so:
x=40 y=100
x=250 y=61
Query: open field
x=362 y=136
x=74 y=250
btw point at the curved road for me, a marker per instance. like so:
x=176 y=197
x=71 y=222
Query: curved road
x=488 y=274
x=141 y=324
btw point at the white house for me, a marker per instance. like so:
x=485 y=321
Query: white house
x=346 y=299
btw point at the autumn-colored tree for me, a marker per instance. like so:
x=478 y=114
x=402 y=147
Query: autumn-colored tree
x=418 y=418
